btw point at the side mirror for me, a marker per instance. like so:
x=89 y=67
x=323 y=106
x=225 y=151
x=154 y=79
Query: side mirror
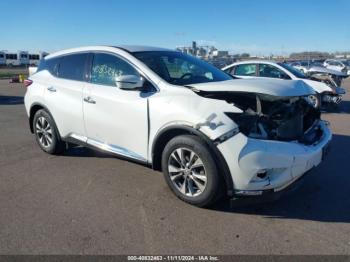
x=130 y=82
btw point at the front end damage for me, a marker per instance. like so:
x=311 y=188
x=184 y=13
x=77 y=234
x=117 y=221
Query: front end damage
x=278 y=139
x=333 y=81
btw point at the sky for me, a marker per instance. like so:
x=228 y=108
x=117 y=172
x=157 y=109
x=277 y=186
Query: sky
x=258 y=27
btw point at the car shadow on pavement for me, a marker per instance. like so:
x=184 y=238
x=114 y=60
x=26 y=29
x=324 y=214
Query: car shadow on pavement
x=323 y=196
x=11 y=100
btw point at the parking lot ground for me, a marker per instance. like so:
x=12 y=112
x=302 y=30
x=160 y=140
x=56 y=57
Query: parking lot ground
x=86 y=202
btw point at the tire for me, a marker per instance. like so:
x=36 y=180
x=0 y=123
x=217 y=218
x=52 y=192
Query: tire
x=196 y=182
x=46 y=133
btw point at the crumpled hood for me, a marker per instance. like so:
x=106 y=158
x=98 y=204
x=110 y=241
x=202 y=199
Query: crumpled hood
x=273 y=87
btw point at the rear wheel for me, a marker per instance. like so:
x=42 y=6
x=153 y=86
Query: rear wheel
x=46 y=133
x=190 y=170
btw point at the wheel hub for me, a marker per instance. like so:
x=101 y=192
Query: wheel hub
x=187 y=172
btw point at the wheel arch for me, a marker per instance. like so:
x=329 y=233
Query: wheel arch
x=165 y=135
x=35 y=108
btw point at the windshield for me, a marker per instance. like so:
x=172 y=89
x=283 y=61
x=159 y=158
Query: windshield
x=293 y=70
x=180 y=69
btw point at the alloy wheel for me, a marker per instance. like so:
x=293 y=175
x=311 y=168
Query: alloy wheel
x=44 y=132
x=187 y=172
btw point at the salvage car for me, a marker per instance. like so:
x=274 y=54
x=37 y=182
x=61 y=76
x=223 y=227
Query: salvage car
x=338 y=65
x=211 y=135
x=317 y=71
x=327 y=92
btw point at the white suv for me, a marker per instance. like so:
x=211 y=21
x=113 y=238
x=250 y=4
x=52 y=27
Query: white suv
x=211 y=135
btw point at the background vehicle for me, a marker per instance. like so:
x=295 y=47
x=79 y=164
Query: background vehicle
x=32 y=70
x=317 y=71
x=207 y=132
x=303 y=66
x=34 y=58
x=17 y=59
x=2 y=58
x=338 y=65
x=327 y=92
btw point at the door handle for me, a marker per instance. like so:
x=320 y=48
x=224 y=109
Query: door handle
x=88 y=99
x=51 y=89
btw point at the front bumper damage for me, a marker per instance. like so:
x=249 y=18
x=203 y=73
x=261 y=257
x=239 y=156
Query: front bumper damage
x=261 y=168
x=333 y=98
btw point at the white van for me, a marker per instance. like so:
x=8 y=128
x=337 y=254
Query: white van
x=2 y=58
x=17 y=59
x=34 y=58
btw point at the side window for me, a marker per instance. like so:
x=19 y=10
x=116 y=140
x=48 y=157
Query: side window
x=230 y=70
x=72 y=67
x=50 y=65
x=11 y=56
x=245 y=70
x=106 y=68
x=266 y=70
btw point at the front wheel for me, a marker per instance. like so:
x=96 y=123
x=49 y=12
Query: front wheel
x=190 y=170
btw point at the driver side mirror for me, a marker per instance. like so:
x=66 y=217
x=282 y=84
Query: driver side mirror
x=130 y=82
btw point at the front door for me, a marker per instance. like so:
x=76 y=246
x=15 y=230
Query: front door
x=115 y=120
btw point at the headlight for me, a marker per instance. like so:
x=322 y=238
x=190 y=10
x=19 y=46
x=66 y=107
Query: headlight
x=313 y=100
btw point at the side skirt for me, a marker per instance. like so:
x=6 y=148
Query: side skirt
x=114 y=150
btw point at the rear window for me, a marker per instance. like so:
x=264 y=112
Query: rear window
x=72 y=67
x=50 y=65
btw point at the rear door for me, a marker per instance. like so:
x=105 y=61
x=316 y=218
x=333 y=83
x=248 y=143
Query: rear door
x=63 y=94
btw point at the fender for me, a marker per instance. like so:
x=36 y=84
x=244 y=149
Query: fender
x=222 y=164
x=31 y=116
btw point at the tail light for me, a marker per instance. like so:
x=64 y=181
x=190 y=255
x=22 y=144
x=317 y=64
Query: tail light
x=27 y=82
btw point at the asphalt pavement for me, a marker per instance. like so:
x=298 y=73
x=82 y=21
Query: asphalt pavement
x=87 y=202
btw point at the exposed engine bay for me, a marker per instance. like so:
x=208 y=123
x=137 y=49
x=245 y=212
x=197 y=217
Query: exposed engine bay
x=273 y=118
x=330 y=80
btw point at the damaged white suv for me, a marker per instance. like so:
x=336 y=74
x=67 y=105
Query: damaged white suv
x=211 y=135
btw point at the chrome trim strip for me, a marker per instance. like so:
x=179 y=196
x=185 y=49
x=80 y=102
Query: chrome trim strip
x=115 y=149
x=78 y=137
x=106 y=147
